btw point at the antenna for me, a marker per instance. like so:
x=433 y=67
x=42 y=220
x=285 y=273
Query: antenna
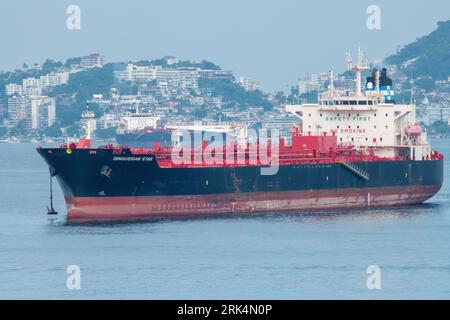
x=331 y=82
x=349 y=61
x=377 y=80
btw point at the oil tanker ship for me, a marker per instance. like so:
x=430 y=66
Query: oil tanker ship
x=357 y=149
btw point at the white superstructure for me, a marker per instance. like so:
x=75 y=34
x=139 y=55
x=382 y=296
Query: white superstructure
x=367 y=119
x=136 y=122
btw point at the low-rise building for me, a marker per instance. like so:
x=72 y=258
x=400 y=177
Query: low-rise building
x=92 y=60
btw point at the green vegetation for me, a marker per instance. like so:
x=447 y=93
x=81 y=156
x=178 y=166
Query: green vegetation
x=432 y=52
x=50 y=66
x=233 y=92
x=83 y=85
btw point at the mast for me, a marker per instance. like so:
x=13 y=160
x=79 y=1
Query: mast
x=359 y=68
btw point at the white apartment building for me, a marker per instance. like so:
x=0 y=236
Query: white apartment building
x=248 y=84
x=182 y=77
x=136 y=73
x=32 y=86
x=13 y=88
x=187 y=78
x=54 y=79
x=38 y=111
x=35 y=86
x=312 y=82
x=92 y=60
x=43 y=111
x=216 y=74
x=17 y=108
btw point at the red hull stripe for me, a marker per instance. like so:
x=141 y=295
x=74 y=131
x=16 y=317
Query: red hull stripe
x=120 y=208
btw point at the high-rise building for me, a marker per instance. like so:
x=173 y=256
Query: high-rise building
x=17 y=108
x=43 y=112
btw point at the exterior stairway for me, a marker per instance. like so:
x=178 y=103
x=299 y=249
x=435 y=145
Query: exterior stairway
x=355 y=169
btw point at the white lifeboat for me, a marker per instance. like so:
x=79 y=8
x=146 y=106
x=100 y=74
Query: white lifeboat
x=414 y=130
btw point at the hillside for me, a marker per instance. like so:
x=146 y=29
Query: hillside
x=428 y=55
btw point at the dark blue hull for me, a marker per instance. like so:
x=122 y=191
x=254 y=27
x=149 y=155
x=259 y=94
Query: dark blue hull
x=101 y=184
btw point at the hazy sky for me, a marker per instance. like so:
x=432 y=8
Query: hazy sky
x=274 y=42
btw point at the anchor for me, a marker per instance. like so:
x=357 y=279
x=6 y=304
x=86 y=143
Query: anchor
x=51 y=210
